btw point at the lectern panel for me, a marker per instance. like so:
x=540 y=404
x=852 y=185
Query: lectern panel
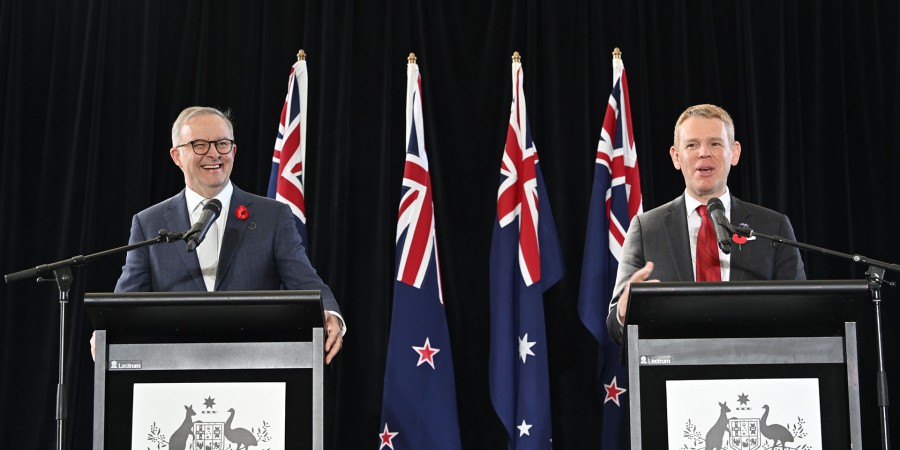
x=752 y=404
x=210 y=408
x=208 y=370
x=743 y=365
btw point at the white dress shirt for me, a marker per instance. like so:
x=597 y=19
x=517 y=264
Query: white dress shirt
x=194 y=201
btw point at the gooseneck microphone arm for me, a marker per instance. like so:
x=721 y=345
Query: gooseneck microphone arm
x=875 y=278
x=748 y=232
x=80 y=260
x=62 y=275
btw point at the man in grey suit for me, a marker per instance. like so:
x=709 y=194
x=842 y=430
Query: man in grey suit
x=663 y=241
x=258 y=247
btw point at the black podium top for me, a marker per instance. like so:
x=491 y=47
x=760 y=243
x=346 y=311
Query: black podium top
x=225 y=316
x=744 y=308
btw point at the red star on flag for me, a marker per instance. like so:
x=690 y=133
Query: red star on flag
x=426 y=353
x=386 y=437
x=613 y=392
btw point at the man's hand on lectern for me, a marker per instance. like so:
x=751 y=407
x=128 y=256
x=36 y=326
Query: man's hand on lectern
x=334 y=340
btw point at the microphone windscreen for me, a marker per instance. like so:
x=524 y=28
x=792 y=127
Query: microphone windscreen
x=715 y=204
x=214 y=205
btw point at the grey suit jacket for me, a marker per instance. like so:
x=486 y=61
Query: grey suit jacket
x=661 y=236
x=263 y=252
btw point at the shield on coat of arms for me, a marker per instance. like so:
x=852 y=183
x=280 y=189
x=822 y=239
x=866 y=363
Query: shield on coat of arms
x=743 y=434
x=209 y=436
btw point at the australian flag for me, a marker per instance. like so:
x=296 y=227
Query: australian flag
x=525 y=261
x=615 y=199
x=289 y=159
x=419 y=407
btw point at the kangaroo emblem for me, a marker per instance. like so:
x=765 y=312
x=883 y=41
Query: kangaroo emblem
x=178 y=440
x=717 y=432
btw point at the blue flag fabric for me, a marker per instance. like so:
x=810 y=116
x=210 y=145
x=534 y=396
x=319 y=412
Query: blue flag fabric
x=615 y=199
x=525 y=261
x=419 y=406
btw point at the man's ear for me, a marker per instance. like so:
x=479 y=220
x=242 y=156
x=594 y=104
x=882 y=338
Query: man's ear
x=735 y=153
x=674 y=154
x=176 y=156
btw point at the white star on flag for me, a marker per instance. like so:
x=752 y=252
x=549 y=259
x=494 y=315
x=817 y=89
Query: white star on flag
x=523 y=429
x=426 y=353
x=525 y=347
x=386 y=437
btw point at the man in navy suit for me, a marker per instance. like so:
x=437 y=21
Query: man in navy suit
x=663 y=241
x=253 y=245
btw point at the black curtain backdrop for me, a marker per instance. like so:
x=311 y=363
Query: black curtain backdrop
x=89 y=89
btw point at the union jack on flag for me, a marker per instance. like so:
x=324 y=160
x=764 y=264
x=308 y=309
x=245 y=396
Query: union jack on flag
x=525 y=261
x=419 y=405
x=289 y=159
x=615 y=200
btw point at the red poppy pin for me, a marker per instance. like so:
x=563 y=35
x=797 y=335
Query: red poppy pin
x=241 y=212
x=740 y=240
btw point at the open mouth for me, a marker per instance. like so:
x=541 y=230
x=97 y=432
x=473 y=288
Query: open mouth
x=211 y=166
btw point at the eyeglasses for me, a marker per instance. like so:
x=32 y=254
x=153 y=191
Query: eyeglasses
x=201 y=146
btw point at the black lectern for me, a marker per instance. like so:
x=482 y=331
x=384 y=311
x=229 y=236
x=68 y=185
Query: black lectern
x=708 y=362
x=208 y=369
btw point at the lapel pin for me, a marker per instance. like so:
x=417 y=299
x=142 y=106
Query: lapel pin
x=740 y=240
x=241 y=212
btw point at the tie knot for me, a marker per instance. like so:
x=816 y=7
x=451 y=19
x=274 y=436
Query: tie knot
x=702 y=210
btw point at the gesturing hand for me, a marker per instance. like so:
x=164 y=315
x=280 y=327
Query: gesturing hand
x=638 y=277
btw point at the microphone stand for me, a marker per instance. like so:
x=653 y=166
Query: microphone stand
x=875 y=278
x=62 y=276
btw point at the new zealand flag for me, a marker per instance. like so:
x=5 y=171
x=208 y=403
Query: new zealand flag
x=419 y=407
x=615 y=199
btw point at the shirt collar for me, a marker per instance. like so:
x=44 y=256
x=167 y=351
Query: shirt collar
x=193 y=199
x=691 y=204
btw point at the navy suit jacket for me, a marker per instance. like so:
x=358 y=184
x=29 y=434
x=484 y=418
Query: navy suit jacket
x=661 y=236
x=263 y=252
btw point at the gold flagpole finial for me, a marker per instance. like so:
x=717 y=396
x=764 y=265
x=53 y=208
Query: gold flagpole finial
x=412 y=58
x=516 y=57
x=301 y=55
x=617 y=54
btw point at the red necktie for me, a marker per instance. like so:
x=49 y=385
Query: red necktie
x=707 y=249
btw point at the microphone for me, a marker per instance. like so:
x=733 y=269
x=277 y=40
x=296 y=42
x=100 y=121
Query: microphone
x=210 y=213
x=716 y=211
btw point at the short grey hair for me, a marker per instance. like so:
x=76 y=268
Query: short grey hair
x=195 y=111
